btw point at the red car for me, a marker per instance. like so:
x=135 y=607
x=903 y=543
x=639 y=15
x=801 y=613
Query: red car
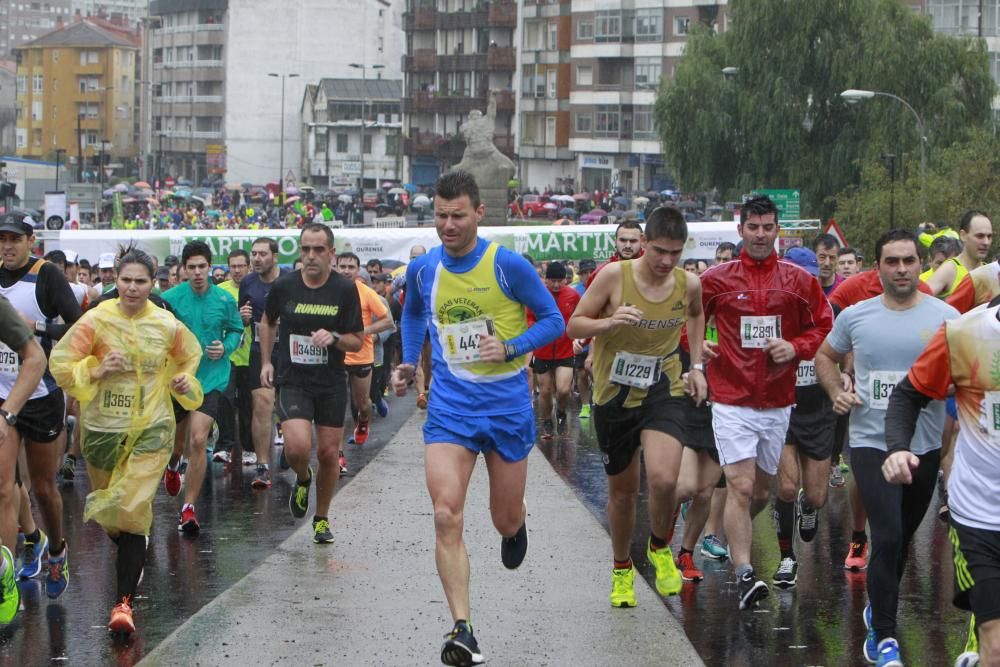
x=532 y=206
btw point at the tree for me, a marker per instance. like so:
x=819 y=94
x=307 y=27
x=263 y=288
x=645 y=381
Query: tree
x=780 y=121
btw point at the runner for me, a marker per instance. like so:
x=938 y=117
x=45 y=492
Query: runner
x=826 y=247
x=552 y=364
x=957 y=356
x=725 y=252
x=473 y=293
x=360 y=364
x=880 y=362
x=975 y=233
x=944 y=250
x=19 y=349
x=317 y=315
x=636 y=310
x=39 y=292
x=770 y=315
x=628 y=245
x=106 y=271
x=252 y=299
x=849 y=262
x=234 y=405
x=981 y=286
x=123 y=361
x=211 y=314
x=383 y=347
x=581 y=348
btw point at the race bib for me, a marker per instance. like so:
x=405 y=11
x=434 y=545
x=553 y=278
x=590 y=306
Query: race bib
x=9 y=364
x=754 y=331
x=635 y=370
x=305 y=353
x=806 y=376
x=460 y=341
x=256 y=332
x=990 y=417
x=121 y=401
x=880 y=386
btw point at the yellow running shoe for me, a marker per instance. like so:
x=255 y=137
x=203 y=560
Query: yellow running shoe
x=10 y=596
x=623 y=587
x=668 y=579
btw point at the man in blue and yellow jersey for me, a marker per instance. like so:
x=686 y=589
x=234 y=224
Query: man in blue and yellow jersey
x=635 y=310
x=473 y=294
x=975 y=234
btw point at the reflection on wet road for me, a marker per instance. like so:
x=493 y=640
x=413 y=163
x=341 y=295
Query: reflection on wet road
x=816 y=623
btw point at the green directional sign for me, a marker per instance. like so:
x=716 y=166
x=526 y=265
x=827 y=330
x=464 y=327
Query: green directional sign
x=788 y=202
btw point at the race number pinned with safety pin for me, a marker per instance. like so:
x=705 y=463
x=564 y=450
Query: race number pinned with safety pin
x=989 y=417
x=880 y=387
x=806 y=376
x=9 y=363
x=460 y=341
x=635 y=370
x=756 y=330
x=122 y=401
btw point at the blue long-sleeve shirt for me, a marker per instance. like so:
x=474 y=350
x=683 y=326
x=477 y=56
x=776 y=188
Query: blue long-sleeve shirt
x=520 y=283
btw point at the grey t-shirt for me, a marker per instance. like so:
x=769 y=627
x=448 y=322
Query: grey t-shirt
x=885 y=343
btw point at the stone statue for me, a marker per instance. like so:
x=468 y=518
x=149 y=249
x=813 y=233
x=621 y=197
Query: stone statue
x=484 y=161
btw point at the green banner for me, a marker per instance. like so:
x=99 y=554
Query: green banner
x=789 y=202
x=118 y=212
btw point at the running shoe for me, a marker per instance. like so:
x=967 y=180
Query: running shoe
x=263 y=479
x=712 y=547
x=623 y=587
x=460 y=647
x=382 y=408
x=561 y=426
x=172 y=482
x=361 y=433
x=57 y=579
x=870 y=649
x=68 y=468
x=585 y=411
x=422 y=401
x=282 y=461
x=188 y=523
x=31 y=556
x=808 y=521
x=321 y=532
x=249 y=458
x=10 y=596
x=121 y=622
x=221 y=456
x=689 y=571
x=843 y=464
x=857 y=557
x=837 y=480
x=547 y=429
x=888 y=653
x=514 y=549
x=298 y=501
x=342 y=462
x=668 y=579
x=786 y=574
x=967 y=659
x=751 y=590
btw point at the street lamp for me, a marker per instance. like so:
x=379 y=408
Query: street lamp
x=364 y=87
x=281 y=158
x=59 y=151
x=853 y=96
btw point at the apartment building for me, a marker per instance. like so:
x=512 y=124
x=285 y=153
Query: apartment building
x=21 y=21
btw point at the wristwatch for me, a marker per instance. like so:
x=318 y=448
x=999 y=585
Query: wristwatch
x=698 y=367
x=41 y=326
x=8 y=417
x=336 y=337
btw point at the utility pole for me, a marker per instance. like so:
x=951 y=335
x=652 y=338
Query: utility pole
x=59 y=151
x=79 y=148
x=281 y=157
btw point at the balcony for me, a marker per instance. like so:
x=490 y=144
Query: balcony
x=420 y=101
x=192 y=27
x=188 y=99
x=425 y=59
x=505 y=100
x=183 y=64
x=422 y=18
x=502 y=14
x=470 y=62
x=190 y=134
x=501 y=58
x=428 y=143
x=462 y=20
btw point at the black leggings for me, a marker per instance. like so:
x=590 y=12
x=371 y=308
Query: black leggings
x=894 y=514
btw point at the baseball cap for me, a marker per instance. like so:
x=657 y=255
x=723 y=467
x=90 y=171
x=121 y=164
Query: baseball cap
x=171 y=260
x=555 y=271
x=106 y=261
x=805 y=258
x=163 y=273
x=382 y=278
x=16 y=224
x=587 y=265
x=72 y=257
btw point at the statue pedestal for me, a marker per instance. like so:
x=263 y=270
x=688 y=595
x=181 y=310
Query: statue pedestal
x=495 y=200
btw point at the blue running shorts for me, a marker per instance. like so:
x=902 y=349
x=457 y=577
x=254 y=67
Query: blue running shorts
x=511 y=436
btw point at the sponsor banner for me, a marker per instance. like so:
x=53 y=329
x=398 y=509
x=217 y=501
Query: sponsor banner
x=573 y=242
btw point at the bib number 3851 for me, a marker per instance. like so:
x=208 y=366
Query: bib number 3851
x=755 y=330
x=635 y=370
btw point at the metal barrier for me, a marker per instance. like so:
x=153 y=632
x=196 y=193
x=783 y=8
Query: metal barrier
x=390 y=222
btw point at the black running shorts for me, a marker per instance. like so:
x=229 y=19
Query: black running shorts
x=618 y=429
x=813 y=432
x=543 y=366
x=977 y=570
x=324 y=406
x=359 y=370
x=209 y=407
x=42 y=419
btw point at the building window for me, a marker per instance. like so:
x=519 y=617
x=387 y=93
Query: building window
x=608 y=26
x=91 y=138
x=642 y=119
x=36 y=136
x=55 y=55
x=584 y=123
x=367 y=145
x=681 y=25
x=22 y=84
x=87 y=110
x=37 y=83
x=89 y=84
x=391 y=144
x=585 y=31
x=648 y=26
x=36 y=110
x=553 y=43
x=648 y=72
x=341 y=143
x=88 y=57
x=22 y=137
x=584 y=75
x=608 y=121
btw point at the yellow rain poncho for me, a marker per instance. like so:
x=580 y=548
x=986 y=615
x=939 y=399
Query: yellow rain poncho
x=127 y=421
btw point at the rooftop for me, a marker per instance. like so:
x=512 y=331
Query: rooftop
x=82 y=33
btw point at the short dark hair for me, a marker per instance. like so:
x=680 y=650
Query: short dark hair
x=825 y=241
x=966 y=219
x=760 y=205
x=85 y=264
x=896 y=235
x=132 y=255
x=628 y=224
x=196 y=249
x=454 y=184
x=57 y=257
x=946 y=245
x=374 y=262
x=724 y=246
x=239 y=252
x=666 y=222
x=848 y=250
x=272 y=245
x=690 y=261
x=318 y=227
x=349 y=256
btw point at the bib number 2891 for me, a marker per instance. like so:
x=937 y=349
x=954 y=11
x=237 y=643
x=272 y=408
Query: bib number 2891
x=755 y=330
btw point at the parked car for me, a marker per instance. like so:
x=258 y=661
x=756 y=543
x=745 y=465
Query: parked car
x=532 y=206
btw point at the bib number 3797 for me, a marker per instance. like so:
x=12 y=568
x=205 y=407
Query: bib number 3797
x=755 y=330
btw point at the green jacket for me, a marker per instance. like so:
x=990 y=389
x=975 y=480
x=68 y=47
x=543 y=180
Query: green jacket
x=241 y=357
x=210 y=316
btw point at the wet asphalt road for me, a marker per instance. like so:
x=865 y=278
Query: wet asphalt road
x=817 y=623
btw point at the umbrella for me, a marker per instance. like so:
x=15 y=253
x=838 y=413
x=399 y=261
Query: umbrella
x=387 y=184
x=292 y=200
x=121 y=187
x=567 y=211
x=421 y=200
x=565 y=198
x=550 y=206
x=142 y=185
x=667 y=193
x=621 y=201
x=291 y=190
x=397 y=191
x=347 y=199
x=214 y=213
x=198 y=199
x=410 y=187
x=581 y=196
x=165 y=194
x=109 y=192
x=306 y=188
x=641 y=200
x=245 y=186
x=686 y=204
x=183 y=181
x=564 y=221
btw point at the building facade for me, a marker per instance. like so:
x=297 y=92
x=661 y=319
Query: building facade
x=21 y=21
x=8 y=106
x=337 y=151
x=76 y=94
x=458 y=51
x=130 y=10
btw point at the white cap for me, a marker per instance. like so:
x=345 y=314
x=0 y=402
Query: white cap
x=72 y=257
x=107 y=260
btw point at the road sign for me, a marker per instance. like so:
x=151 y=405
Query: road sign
x=788 y=202
x=832 y=228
